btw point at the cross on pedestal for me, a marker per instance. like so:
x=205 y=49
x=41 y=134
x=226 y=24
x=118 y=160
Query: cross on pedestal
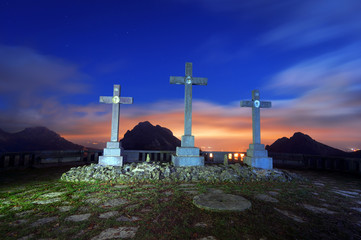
x=187 y=154
x=257 y=156
x=112 y=153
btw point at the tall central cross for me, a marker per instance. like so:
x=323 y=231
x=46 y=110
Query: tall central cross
x=115 y=100
x=188 y=80
x=256 y=104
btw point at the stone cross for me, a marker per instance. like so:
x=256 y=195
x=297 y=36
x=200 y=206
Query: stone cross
x=188 y=80
x=256 y=104
x=112 y=154
x=115 y=100
x=257 y=156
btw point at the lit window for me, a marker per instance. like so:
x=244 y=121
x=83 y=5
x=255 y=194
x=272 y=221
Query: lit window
x=230 y=156
x=242 y=156
x=236 y=155
x=211 y=155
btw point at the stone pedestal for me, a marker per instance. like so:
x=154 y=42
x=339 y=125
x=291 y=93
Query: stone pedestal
x=257 y=157
x=187 y=156
x=112 y=155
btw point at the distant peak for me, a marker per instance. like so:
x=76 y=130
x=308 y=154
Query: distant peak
x=300 y=135
x=145 y=123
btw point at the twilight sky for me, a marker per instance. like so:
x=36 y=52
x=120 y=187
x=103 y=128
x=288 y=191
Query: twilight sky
x=58 y=57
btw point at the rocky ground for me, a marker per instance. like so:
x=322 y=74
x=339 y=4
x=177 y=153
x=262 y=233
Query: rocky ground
x=325 y=206
x=144 y=172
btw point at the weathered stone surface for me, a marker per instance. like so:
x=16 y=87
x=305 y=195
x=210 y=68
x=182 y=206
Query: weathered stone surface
x=318 y=209
x=221 y=202
x=78 y=218
x=47 y=201
x=52 y=194
x=42 y=221
x=266 y=198
x=114 y=202
x=108 y=214
x=127 y=219
x=120 y=232
x=93 y=200
x=290 y=215
x=65 y=208
x=166 y=172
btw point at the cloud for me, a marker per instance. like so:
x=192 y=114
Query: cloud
x=24 y=71
x=314 y=22
x=326 y=98
x=31 y=86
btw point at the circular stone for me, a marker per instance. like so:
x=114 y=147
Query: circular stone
x=221 y=202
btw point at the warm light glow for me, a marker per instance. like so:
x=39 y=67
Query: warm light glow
x=229 y=155
x=242 y=156
x=211 y=155
x=236 y=155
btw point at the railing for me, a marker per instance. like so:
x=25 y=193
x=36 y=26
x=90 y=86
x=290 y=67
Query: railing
x=39 y=159
x=19 y=160
x=316 y=162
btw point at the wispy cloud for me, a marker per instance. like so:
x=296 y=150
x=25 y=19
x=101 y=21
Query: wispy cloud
x=314 y=22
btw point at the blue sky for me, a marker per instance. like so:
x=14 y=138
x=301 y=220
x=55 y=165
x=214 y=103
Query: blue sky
x=58 y=57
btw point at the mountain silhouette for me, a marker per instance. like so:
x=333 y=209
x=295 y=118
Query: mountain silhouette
x=145 y=136
x=303 y=144
x=34 y=139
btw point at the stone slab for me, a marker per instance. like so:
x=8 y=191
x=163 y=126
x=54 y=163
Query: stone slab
x=78 y=218
x=318 y=209
x=221 y=202
x=111 y=160
x=266 y=198
x=108 y=214
x=113 y=145
x=116 y=233
x=112 y=152
x=187 y=151
x=290 y=215
x=187 y=161
x=43 y=221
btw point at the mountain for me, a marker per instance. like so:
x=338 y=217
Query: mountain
x=34 y=139
x=304 y=144
x=145 y=136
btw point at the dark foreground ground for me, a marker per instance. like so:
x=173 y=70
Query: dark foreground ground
x=34 y=204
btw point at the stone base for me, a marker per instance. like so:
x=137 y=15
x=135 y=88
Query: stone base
x=187 y=156
x=112 y=155
x=187 y=161
x=111 y=160
x=257 y=157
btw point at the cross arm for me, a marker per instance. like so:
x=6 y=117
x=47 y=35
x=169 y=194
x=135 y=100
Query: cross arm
x=103 y=99
x=265 y=104
x=126 y=100
x=177 y=80
x=246 y=103
x=122 y=100
x=199 y=81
